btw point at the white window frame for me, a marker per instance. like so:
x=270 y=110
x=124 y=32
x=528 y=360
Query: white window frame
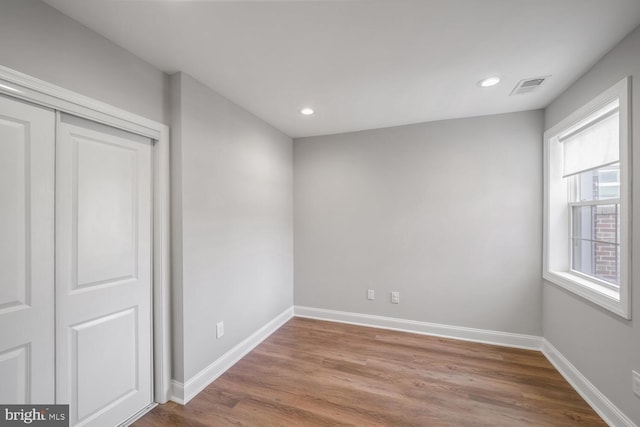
x=557 y=210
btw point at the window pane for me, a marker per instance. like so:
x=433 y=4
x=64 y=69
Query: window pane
x=596 y=237
x=599 y=184
x=596 y=259
x=599 y=222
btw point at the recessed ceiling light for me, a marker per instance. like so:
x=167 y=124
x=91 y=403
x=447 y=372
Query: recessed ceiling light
x=307 y=111
x=489 y=81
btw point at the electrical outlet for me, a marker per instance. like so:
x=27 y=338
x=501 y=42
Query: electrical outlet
x=371 y=294
x=395 y=297
x=636 y=382
x=219 y=329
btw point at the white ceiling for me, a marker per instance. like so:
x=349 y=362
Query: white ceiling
x=366 y=64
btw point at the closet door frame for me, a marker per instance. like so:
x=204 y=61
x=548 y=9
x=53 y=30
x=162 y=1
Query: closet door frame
x=18 y=85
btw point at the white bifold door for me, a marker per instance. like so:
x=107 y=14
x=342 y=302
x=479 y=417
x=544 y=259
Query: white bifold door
x=103 y=272
x=75 y=265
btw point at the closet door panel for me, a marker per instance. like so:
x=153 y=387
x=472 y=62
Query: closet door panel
x=103 y=272
x=27 y=150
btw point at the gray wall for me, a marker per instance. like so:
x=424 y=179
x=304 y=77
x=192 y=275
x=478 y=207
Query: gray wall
x=233 y=186
x=447 y=213
x=38 y=40
x=603 y=346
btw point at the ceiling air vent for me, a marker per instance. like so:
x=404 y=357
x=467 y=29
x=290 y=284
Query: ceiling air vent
x=528 y=85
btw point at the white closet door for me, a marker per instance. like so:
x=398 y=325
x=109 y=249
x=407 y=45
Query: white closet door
x=103 y=272
x=26 y=253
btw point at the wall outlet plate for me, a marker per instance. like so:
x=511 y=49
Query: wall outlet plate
x=395 y=297
x=219 y=329
x=371 y=294
x=636 y=382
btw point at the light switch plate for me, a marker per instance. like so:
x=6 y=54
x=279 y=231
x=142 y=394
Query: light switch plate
x=636 y=382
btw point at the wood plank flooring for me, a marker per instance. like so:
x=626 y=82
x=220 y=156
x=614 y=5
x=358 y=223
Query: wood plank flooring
x=315 y=373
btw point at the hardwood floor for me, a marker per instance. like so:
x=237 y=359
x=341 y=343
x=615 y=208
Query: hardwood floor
x=315 y=373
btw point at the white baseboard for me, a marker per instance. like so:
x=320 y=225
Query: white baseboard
x=183 y=393
x=529 y=342
x=177 y=392
x=609 y=412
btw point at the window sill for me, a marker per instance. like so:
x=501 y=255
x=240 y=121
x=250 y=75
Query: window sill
x=589 y=290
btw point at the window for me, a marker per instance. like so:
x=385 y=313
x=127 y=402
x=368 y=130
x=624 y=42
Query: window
x=595 y=217
x=587 y=201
